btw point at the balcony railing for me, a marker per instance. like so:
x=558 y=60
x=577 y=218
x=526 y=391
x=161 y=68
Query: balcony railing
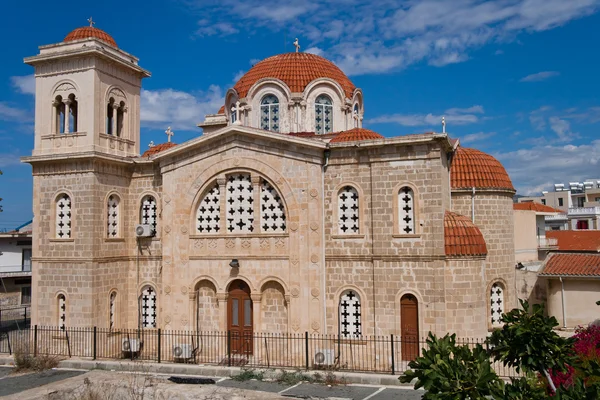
x=584 y=211
x=544 y=242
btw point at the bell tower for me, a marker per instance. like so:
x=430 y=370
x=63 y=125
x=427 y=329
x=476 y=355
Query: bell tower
x=87 y=96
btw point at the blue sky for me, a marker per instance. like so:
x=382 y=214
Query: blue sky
x=515 y=78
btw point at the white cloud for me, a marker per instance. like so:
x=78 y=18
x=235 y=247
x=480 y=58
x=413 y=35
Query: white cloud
x=9 y=159
x=456 y=116
x=238 y=75
x=314 y=50
x=206 y=28
x=363 y=38
x=540 y=76
x=24 y=84
x=178 y=109
x=476 y=137
x=10 y=113
x=562 y=128
x=535 y=169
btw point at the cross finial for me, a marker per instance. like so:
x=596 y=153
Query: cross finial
x=169 y=133
x=443 y=124
x=91 y=21
x=297 y=45
x=151 y=144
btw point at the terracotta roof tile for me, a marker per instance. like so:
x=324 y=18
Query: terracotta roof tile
x=462 y=237
x=297 y=70
x=537 y=207
x=576 y=240
x=473 y=168
x=90 y=32
x=355 y=134
x=580 y=265
x=158 y=148
x=221 y=110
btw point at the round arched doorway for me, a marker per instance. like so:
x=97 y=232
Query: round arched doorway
x=240 y=319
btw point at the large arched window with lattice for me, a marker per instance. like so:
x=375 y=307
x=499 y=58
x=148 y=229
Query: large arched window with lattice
x=348 y=211
x=272 y=211
x=148 y=307
x=240 y=203
x=149 y=214
x=323 y=114
x=269 y=113
x=350 y=316
x=63 y=216
x=208 y=213
x=496 y=303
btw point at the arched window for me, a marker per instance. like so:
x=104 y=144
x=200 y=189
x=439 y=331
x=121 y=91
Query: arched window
x=112 y=310
x=208 y=214
x=63 y=217
x=148 y=213
x=72 y=103
x=62 y=311
x=356 y=116
x=58 y=111
x=240 y=207
x=406 y=211
x=113 y=216
x=323 y=115
x=496 y=303
x=233 y=114
x=350 y=315
x=269 y=113
x=148 y=307
x=272 y=215
x=115 y=117
x=348 y=211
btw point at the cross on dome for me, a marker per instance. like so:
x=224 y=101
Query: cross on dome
x=443 y=124
x=297 y=45
x=91 y=22
x=151 y=144
x=169 y=133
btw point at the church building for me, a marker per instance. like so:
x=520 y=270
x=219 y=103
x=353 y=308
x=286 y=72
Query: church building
x=284 y=214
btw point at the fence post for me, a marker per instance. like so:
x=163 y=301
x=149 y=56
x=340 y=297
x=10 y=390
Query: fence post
x=35 y=341
x=229 y=348
x=95 y=342
x=159 y=345
x=306 y=349
x=393 y=363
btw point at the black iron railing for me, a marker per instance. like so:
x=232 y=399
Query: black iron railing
x=15 y=318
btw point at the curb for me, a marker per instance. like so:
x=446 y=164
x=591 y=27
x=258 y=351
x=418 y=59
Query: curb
x=208 y=370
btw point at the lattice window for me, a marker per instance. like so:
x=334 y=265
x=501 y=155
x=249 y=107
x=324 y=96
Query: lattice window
x=496 y=303
x=63 y=217
x=113 y=215
x=323 y=115
x=112 y=309
x=148 y=215
x=348 y=211
x=406 y=211
x=62 y=312
x=272 y=216
x=208 y=215
x=240 y=208
x=350 y=315
x=269 y=113
x=148 y=307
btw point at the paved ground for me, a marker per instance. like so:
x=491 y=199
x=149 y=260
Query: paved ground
x=66 y=384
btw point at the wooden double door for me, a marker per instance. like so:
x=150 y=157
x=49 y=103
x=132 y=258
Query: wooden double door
x=240 y=318
x=409 y=327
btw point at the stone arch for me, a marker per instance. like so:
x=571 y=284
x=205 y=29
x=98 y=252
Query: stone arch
x=119 y=219
x=281 y=85
x=421 y=309
x=206 y=305
x=361 y=208
x=364 y=305
x=313 y=86
x=54 y=212
x=274 y=307
x=243 y=278
x=416 y=206
x=157 y=200
x=61 y=309
x=274 y=279
x=64 y=86
x=504 y=300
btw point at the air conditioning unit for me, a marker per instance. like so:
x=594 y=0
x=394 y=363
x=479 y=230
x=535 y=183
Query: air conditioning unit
x=182 y=351
x=130 y=345
x=143 y=230
x=324 y=357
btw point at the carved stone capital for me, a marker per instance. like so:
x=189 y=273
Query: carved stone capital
x=256 y=297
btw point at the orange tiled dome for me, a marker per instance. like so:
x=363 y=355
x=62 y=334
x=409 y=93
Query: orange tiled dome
x=462 y=237
x=473 y=168
x=355 y=134
x=90 y=32
x=297 y=70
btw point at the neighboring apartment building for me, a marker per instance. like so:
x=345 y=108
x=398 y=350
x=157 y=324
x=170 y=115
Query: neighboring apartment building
x=15 y=267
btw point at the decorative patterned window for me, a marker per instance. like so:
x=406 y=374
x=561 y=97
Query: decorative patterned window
x=62 y=312
x=63 y=217
x=350 y=316
x=112 y=309
x=208 y=215
x=406 y=211
x=233 y=115
x=348 y=211
x=323 y=114
x=148 y=214
x=240 y=208
x=269 y=113
x=496 y=303
x=148 y=307
x=113 y=215
x=272 y=215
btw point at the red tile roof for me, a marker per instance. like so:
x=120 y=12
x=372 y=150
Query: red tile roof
x=576 y=240
x=158 y=148
x=537 y=207
x=296 y=70
x=355 y=134
x=462 y=237
x=473 y=168
x=221 y=110
x=577 y=265
x=90 y=32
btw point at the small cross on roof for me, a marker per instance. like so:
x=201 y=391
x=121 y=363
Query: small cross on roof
x=91 y=22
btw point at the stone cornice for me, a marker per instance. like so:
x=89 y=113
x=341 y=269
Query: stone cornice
x=94 y=259
x=79 y=156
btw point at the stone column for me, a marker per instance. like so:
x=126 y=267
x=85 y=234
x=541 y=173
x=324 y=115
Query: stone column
x=114 y=119
x=53 y=128
x=67 y=109
x=222 y=184
x=222 y=303
x=256 y=310
x=193 y=313
x=256 y=203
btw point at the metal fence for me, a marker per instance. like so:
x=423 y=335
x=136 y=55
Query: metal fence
x=18 y=317
x=382 y=354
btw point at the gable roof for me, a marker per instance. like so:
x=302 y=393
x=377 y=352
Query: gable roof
x=574 y=265
x=576 y=240
x=158 y=148
x=537 y=207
